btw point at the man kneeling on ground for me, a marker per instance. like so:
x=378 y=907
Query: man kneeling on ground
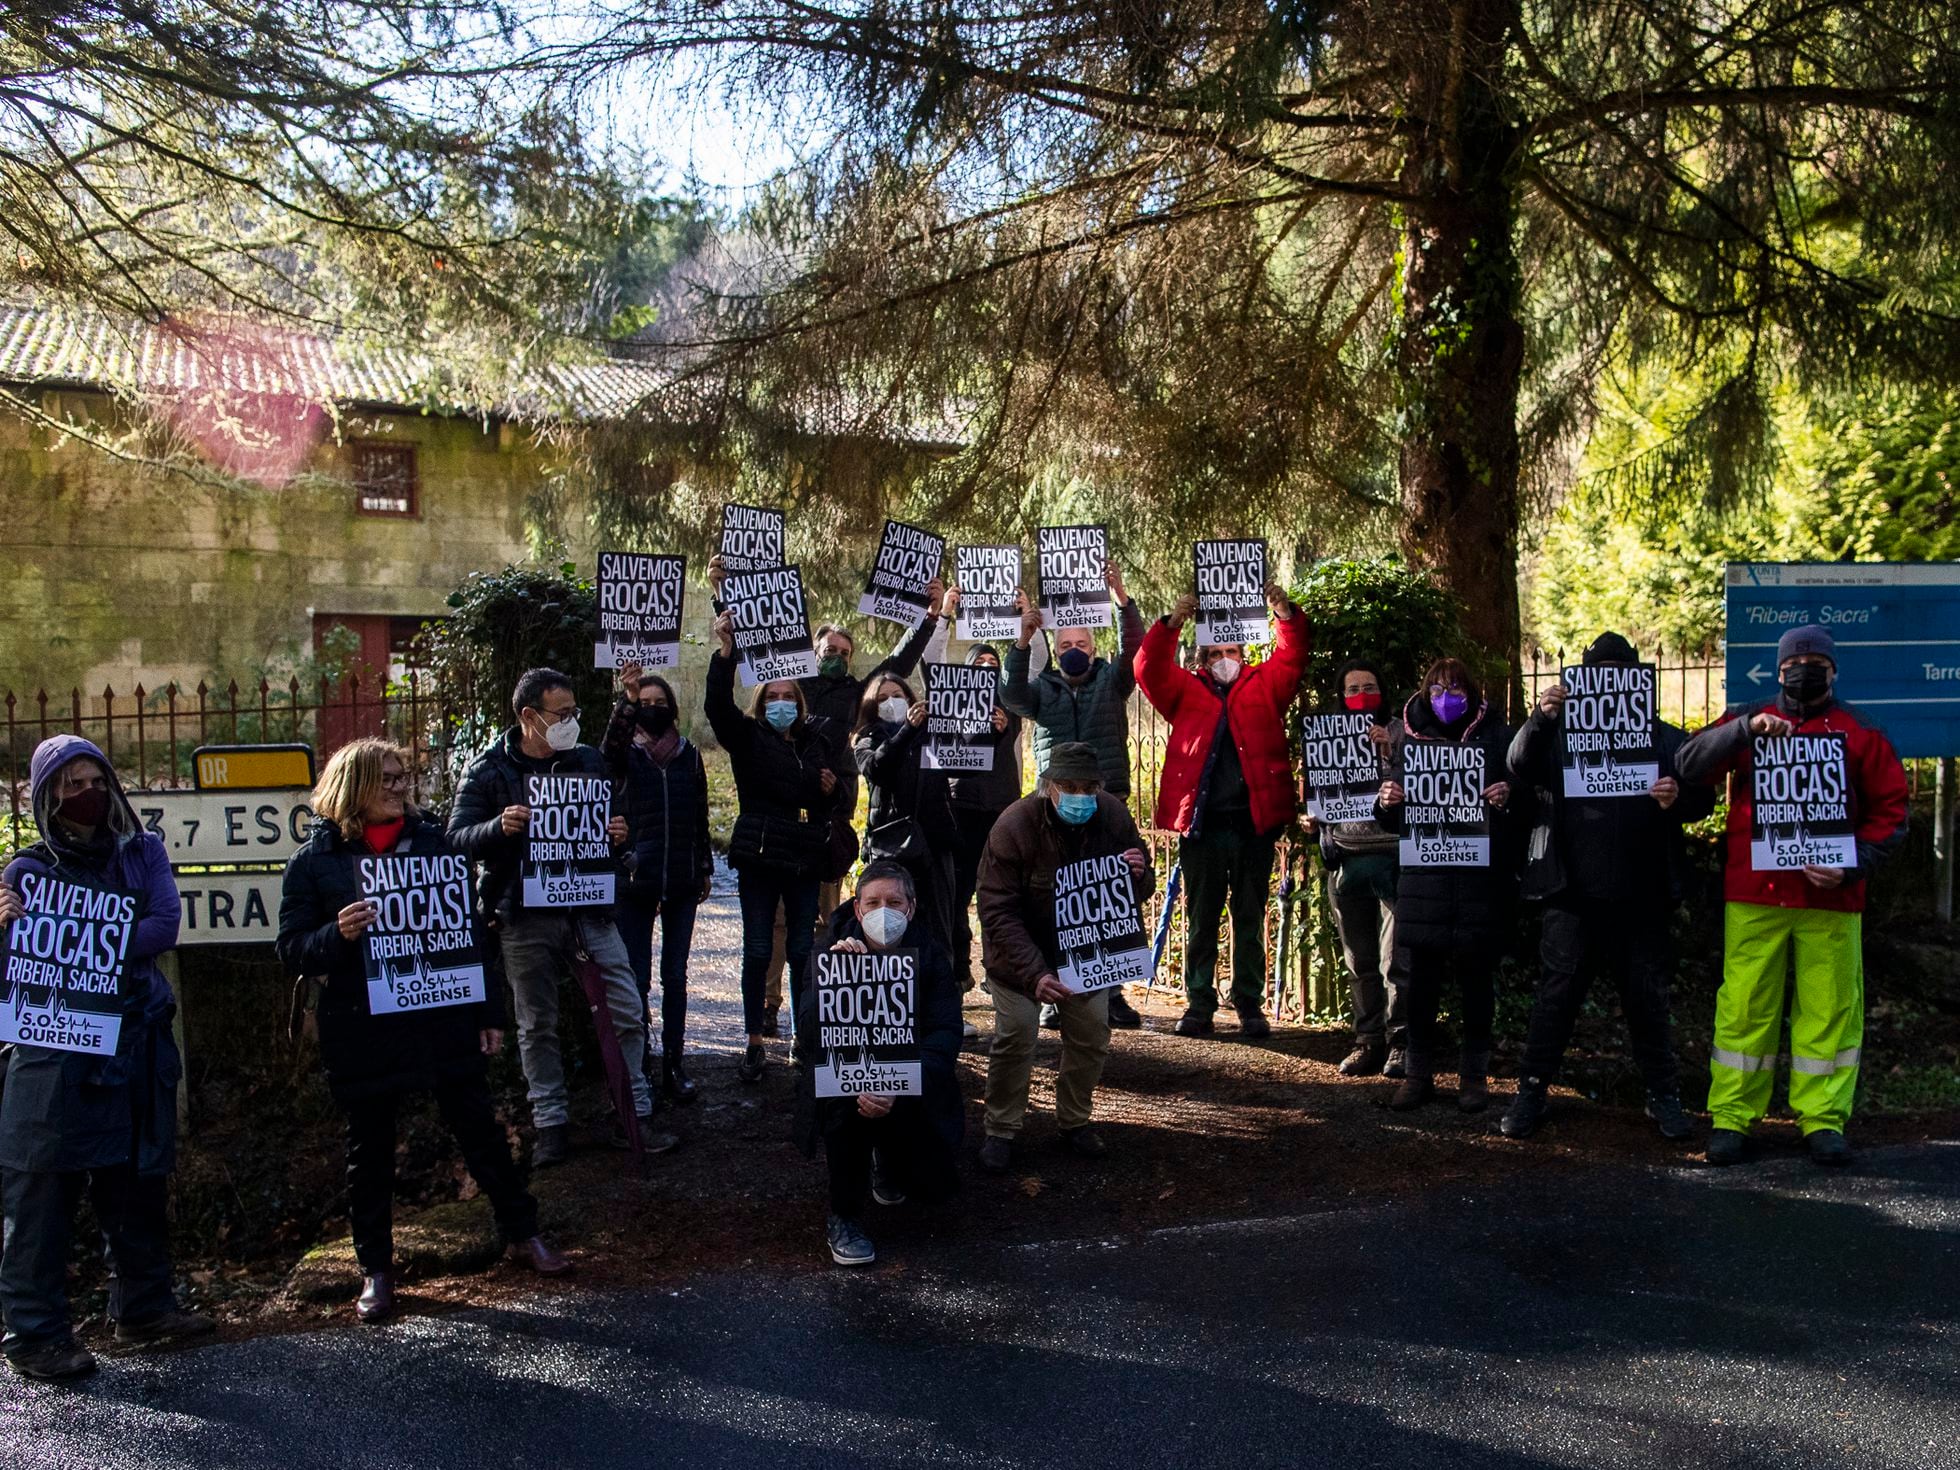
x=887 y=1149
x=1069 y=818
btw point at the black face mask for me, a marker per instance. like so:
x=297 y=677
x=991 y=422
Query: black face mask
x=656 y=719
x=1805 y=684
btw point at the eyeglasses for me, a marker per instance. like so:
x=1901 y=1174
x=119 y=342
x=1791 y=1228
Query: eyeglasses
x=557 y=716
x=397 y=782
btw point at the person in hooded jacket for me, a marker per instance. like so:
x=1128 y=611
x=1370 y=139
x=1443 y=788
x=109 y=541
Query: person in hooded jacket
x=885 y=1149
x=488 y=823
x=1080 y=697
x=1810 y=921
x=1452 y=921
x=374 y=1063
x=670 y=865
x=1611 y=878
x=1227 y=791
x=786 y=783
x=75 y=1121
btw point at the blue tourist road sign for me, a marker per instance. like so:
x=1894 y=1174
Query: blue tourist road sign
x=1897 y=630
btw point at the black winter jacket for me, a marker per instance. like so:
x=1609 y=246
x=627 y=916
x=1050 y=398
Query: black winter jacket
x=888 y=757
x=776 y=775
x=667 y=845
x=495 y=780
x=1624 y=849
x=367 y=1055
x=1461 y=908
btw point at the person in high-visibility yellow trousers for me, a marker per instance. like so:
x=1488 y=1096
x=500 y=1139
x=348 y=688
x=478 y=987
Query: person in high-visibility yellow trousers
x=1809 y=919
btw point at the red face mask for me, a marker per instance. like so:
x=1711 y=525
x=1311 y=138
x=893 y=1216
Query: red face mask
x=1366 y=703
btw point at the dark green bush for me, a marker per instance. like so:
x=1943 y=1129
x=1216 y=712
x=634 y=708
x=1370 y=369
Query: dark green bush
x=1377 y=608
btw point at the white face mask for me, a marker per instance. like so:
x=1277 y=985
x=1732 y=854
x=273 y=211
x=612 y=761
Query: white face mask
x=1225 y=670
x=894 y=710
x=563 y=735
x=886 y=926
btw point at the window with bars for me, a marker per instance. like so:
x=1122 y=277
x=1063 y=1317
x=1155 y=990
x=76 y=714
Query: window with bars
x=384 y=479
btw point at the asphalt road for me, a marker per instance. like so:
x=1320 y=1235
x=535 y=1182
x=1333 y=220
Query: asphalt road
x=1777 y=1316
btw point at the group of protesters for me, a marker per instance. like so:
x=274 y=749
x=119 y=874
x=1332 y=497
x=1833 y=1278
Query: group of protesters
x=936 y=850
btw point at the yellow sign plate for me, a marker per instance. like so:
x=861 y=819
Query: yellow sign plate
x=254 y=767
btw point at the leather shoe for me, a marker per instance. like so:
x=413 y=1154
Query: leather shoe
x=540 y=1257
x=1122 y=1015
x=1253 y=1025
x=1827 y=1147
x=376 y=1302
x=1085 y=1141
x=172 y=1326
x=1412 y=1094
x=553 y=1146
x=996 y=1154
x=1193 y=1024
x=1365 y=1060
x=52 y=1362
x=674 y=1081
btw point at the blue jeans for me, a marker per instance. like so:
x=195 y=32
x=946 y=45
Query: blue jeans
x=541 y=946
x=635 y=916
x=762 y=890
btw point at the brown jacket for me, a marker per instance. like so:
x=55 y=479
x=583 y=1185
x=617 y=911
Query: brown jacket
x=1017 y=882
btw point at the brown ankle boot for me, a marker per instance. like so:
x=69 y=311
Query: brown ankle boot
x=376 y=1302
x=1411 y=1094
x=540 y=1257
x=1473 y=1083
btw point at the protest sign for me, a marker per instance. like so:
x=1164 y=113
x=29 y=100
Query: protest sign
x=1343 y=771
x=1099 y=926
x=1800 y=792
x=639 y=610
x=959 y=718
x=1611 y=745
x=752 y=539
x=772 y=625
x=568 y=859
x=421 y=949
x=908 y=559
x=1445 y=823
x=1071 y=560
x=868 y=1024
x=1230 y=579
x=61 y=983
x=988 y=577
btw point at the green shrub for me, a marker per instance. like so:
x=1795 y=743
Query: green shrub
x=1377 y=608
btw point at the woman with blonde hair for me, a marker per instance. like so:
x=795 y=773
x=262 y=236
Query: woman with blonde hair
x=373 y=1061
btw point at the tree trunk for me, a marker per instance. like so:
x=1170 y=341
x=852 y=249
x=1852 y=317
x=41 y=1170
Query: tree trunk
x=1461 y=353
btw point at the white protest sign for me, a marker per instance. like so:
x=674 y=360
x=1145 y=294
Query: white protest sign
x=1800 y=803
x=1342 y=768
x=1609 y=727
x=908 y=559
x=867 y=1025
x=639 y=610
x=1230 y=578
x=62 y=973
x=421 y=950
x=568 y=858
x=752 y=539
x=988 y=577
x=1072 y=561
x=1099 y=926
x=1445 y=823
x=772 y=625
x=959 y=717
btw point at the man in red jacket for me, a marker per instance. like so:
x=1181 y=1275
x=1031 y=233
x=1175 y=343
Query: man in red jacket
x=1809 y=918
x=1228 y=799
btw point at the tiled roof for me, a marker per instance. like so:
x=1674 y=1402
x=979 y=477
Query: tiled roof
x=59 y=346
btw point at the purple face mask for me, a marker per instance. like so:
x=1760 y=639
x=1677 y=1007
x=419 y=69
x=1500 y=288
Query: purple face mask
x=1449 y=705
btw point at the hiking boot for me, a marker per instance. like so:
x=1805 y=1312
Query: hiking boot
x=1085 y=1141
x=1669 y=1116
x=1253 y=1025
x=675 y=1084
x=884 y=1188
x=1827 y=1147
x=772 y=1024
x=1726 y=1146
x=996 y=1154
x=651 y=1142
x=1527 y=1109
x=175 y=1325
x=52 y=1362
x=1412 y=1094
x=1122 y=1014
x=376 y=1303
x=849 y=1245
x=1365 y=1060
x=1051 y=1016
x=1472 y=1092
x=553 y=1146
x=749 y=1069
x=1397 y=1065
x=1193 y=1024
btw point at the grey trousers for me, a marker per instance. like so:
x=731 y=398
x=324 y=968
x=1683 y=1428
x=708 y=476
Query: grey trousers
x=1365 y=922
x=539 y=949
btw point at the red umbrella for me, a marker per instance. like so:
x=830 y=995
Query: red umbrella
x=593 y=983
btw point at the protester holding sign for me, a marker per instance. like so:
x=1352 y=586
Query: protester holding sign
x=1081 y=697
x=1450 y=799
x=1069 y=819
x=1227 y=791
x=375 y=888
x=1610 y=873
x=831 y=697
x=909 y=819
x=787 y=783
x=669 y=862
x=880 y=1009
x=1344 y=753
x=491 y=823
x=74 y=1120
x=1809 y=918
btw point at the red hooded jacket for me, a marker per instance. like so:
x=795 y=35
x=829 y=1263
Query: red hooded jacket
x=1254 y=706
x=1878 y=802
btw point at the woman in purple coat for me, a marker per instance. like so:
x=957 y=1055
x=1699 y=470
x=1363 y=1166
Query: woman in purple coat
x=75 y=1120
